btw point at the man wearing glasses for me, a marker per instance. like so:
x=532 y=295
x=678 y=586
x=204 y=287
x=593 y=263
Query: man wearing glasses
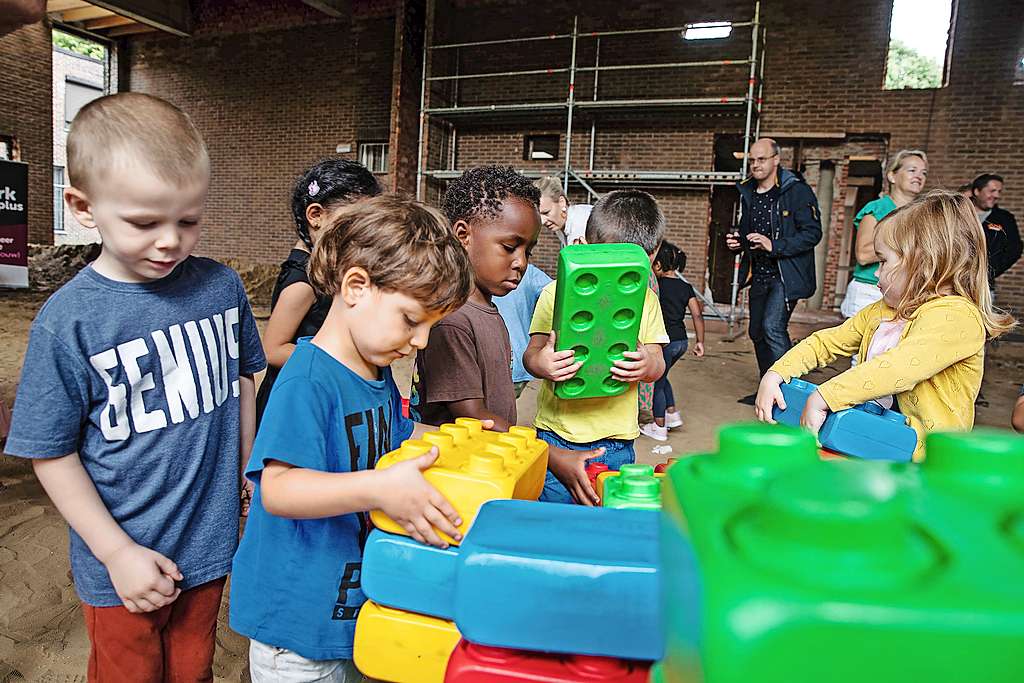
x=778 y=229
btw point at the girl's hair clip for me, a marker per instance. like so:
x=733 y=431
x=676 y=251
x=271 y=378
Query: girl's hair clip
x=314 y=187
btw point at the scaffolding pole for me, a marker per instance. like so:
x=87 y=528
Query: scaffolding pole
x=423 y=109
x=754 y=34
x=593 y=121
x=571 y=101
x=591 y=177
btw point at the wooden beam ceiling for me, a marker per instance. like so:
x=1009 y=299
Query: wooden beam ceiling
x=113 y=18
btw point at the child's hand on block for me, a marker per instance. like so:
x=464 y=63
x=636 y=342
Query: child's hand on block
x=143 y=578
x=769 y=395
x=569 y=467
x=637 y=366
x=815 y=412
x=409 y=499
x=557 y=366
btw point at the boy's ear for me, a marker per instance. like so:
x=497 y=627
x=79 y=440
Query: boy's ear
x=80 y=205
x=355 y=285
x=462 y=231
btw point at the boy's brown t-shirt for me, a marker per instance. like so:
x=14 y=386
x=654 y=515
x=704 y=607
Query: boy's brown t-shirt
x=468 y=356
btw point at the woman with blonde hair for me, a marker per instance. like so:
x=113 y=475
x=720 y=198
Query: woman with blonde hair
x=922 y=345
x=567 y=221
x=906 y=175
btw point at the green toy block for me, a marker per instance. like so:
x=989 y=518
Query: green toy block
x=844 y=571
x=599 y=300
x=635 y=488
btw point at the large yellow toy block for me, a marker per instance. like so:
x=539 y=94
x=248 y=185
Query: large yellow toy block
x=474 y=466
x=402 y=647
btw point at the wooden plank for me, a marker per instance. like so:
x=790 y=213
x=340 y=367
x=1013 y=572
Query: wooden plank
x=132 y=29
x=172 y=16
x=108 y=22
x=803 y=135
x=85 y=13
x=333 y=8
x=860 y=181
x=62 y=5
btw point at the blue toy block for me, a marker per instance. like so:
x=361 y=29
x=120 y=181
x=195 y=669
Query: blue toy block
x=405 y=574
x=795 y=392
x=533 y=576
x=869 y=432
x=562 y=578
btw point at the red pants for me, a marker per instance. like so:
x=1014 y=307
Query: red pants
x=174 y=644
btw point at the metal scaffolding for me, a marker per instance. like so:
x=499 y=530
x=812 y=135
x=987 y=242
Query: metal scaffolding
x=589 y=178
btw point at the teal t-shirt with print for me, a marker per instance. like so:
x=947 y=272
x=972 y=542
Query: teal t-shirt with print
x=879 y=208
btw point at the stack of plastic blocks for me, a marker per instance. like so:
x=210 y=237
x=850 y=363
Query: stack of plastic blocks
x=867 y=431
x=844 y=571
x=474 y=465
x=599 y=301
x=633 y=486
x=538 y=591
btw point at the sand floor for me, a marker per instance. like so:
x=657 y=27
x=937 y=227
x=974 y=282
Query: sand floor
x=42 y=635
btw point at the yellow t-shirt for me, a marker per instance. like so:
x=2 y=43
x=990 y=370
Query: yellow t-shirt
x=583 y=420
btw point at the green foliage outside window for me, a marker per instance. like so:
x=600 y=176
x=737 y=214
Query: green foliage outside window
x=82 y=46
x=908 y=68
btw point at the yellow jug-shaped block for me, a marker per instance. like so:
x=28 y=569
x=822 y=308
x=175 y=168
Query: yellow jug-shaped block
x=402 y=647
x=474 y=466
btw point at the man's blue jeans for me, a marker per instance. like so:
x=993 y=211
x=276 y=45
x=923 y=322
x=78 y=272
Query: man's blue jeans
x=769 y=322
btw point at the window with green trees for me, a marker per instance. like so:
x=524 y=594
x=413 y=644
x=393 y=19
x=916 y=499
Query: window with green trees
x=919 y=40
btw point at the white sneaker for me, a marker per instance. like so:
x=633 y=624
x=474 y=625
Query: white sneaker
x=673 y=420
x=655 y=432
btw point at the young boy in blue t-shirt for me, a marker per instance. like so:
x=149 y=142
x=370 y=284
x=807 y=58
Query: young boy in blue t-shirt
x=393 y=268
x=136 y=398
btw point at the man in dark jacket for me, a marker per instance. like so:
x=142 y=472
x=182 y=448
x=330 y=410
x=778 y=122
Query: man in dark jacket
x=779 y=227
x=1002 y=238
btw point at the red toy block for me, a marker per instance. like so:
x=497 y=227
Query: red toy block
x=471 y=663
x=594 y=469
x=405 y=407
x=826 y=454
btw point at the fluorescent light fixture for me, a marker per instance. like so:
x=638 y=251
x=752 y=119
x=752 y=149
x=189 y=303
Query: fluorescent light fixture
x=541 y=155
x=706 y=30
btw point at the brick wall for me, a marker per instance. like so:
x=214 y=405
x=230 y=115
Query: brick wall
x=824 y=70
x=273 y=86
x=25 y=113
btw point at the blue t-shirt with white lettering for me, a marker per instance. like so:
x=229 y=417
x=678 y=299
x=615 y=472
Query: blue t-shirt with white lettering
x=141 y=380
x=296 y=583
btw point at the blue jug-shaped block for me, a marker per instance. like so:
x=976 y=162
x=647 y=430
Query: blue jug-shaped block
x=405 y=574
x=795 y=392
x=869 y=432
x=561 y=578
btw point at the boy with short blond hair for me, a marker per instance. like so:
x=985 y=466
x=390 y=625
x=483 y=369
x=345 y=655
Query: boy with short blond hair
x=136 y=399
x=606 y=427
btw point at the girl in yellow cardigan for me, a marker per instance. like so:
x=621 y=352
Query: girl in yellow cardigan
x=923 y=345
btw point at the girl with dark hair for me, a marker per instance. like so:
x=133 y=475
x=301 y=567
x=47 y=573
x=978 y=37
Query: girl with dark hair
x=296 y=310
x=676 y=296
